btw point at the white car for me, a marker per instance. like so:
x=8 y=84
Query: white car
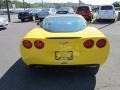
x=3 y=22
x=106 y=12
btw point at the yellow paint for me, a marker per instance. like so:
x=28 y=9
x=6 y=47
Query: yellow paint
x=81 y=55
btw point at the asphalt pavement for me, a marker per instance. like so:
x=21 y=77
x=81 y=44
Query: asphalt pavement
x=15 y=75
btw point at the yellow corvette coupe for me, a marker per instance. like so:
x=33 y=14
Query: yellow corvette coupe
x=64 y=40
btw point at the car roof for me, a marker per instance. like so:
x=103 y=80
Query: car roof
x=84 y=6
x=106 y=5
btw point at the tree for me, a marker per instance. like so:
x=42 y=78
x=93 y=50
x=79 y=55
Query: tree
x=2 y=4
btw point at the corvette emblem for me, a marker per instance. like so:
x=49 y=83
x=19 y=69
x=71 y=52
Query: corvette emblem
x=64 y=42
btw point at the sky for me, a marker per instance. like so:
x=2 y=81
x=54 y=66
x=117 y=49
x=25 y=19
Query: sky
x=94 y=2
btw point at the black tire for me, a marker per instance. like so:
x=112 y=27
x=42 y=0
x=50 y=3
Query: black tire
x=97 y=20
x=31 y=66
x=113 y=20
x=41 y=19
x=92 y=17
x=31 y=19
x=22 y=20
x=90 y=20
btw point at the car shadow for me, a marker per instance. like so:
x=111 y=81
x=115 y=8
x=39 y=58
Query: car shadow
x=3 y=28
x=103 y=22
x=23 y=21
x=20 y=77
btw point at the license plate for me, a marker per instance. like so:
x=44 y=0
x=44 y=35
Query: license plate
x=63 y=55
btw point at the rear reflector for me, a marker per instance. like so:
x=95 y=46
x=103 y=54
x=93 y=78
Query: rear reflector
x=101 y=43
x=89 y=43
x=39 y=44
x=27 y=44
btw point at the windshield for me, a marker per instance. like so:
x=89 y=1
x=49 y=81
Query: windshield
x=83 y=8
x=63 y=9
x=106 y=8
x=64 y=24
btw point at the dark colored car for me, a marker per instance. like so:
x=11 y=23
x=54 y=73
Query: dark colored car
x=86 y=12
x=35 y=11
x=25 y=15
x=44 y=13
x=65 y=10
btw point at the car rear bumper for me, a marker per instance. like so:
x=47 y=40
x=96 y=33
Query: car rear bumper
x=87 y=16
x=62 y=63
x=79 y=58
x=106 y=17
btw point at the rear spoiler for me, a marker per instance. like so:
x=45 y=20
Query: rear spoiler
x=63 y=37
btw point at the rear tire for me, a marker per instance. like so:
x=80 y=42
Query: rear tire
x=41 y=19
x=31 y=19
x=22 y=20
x=113 y=20
x=97 y=20
x=90 y=20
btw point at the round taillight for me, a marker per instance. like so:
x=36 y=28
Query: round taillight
x=39 y=44
x=101 y=43
x=27 y=44
x=89 y=43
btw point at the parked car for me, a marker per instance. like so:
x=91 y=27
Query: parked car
x=65 y=10
x=35 y=11
x=106 y=12
x=3 y=22
x=25 y=15
x=64 y=40
x=45 y=12
x=86 y=12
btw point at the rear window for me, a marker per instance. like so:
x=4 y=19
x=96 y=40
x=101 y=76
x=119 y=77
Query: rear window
x=63 y=9
x=64 y=24
x=83 y=8
x=106 y=8
x=28 y=10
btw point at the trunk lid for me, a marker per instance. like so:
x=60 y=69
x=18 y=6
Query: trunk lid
x=107 y=12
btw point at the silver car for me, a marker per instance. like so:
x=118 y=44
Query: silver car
x=45 y=12
x=3 y=22
x=65 y=10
